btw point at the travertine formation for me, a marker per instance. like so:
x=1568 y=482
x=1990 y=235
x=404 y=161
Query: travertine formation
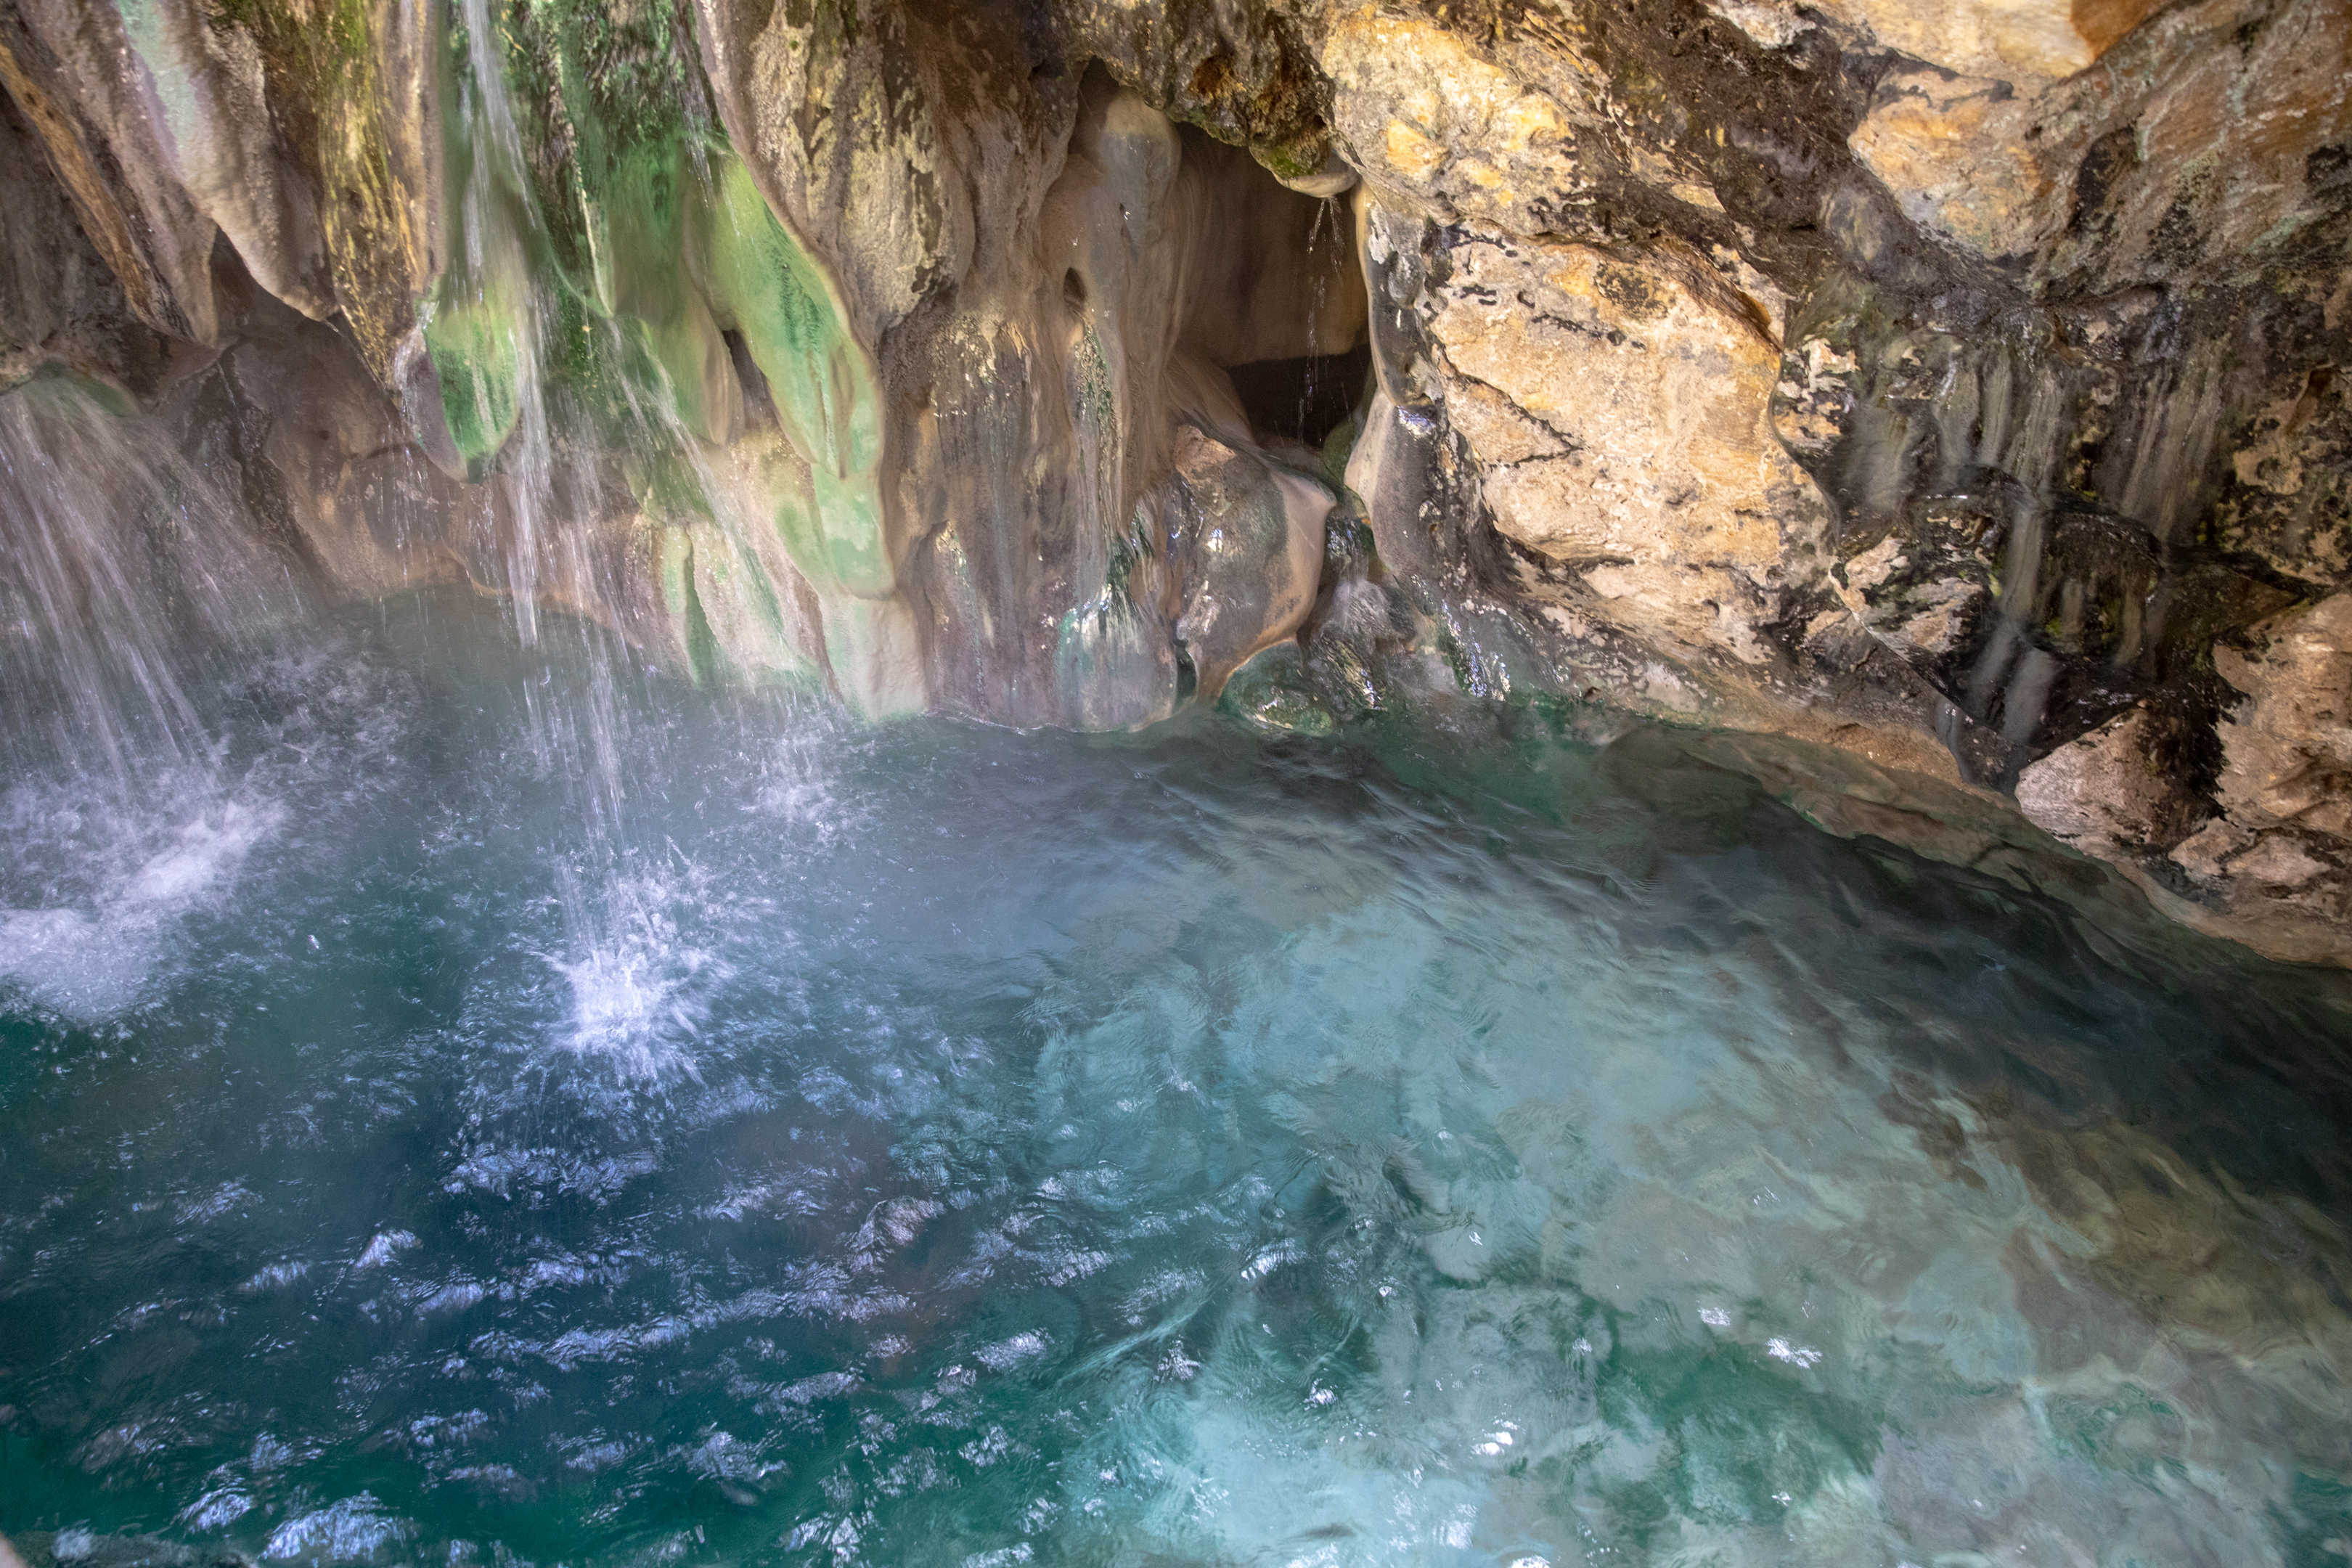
x=1956 y=384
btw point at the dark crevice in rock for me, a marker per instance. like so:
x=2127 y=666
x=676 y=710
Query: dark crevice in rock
x=1303 y=400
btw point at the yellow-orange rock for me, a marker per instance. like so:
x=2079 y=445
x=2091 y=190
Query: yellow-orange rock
x=1617 y=406
x=1437 y=128
x=1955 y=153
x=2024 y=42
x=2288 y=749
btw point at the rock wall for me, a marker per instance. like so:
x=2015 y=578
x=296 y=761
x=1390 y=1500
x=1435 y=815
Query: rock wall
x=1955 y=384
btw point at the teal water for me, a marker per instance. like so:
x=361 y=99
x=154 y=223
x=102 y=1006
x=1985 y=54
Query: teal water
x=459 y=1120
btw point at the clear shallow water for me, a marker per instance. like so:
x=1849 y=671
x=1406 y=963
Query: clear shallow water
x=936 y=1144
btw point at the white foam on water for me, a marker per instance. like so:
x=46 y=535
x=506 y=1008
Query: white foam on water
x=354 y=1530
x=100 y=870
x=641 y=987
x=795 y=787
x=216 y=1509
x=91 y=958
x=386 y=1245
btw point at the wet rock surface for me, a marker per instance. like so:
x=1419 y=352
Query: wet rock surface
x=1961 y=386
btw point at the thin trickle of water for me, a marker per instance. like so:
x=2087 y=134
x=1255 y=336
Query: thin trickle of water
x=1997 y=383
x=118 y=562
x=2020 y=573
x=2031 y=454
x=548 y=495
x=1318 y=294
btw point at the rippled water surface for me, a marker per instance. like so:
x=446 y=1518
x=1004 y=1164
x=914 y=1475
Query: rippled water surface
x=796 y=1143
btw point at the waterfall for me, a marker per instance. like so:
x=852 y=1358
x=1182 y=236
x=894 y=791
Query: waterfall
x=495 y=325
x=121 y=564
x=498 y=216
x=126 y=575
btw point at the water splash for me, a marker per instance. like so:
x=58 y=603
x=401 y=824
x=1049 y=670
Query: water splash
x=128 y=579
x=641 y=986
x=99 y=885
x=136 y=873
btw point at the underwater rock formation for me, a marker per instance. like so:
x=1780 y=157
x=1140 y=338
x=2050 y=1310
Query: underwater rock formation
x=1956 y=384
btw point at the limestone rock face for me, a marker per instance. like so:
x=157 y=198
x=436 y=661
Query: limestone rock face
x=2105 y=792
x=74 y=78
x=312 y=148
x=1439 y=128
x=1255 y=534
x=2280 y=854
x=1619 y=406
x=2277 y=859
x=834 y=100
x=2287 y=750
x=2013 y=40
x=61 y=303
x=1953 y=150
x=1958 y=384
x=2190 y=143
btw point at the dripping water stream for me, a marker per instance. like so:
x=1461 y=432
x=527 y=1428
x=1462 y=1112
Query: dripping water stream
x=615 y=885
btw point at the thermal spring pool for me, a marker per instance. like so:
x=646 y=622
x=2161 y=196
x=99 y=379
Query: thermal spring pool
x=499 y=1106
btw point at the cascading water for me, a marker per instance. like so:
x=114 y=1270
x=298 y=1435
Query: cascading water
x=506 y=303
x=121 y=560
x=573 y=413
x=555 y=1066
x=127 y=572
